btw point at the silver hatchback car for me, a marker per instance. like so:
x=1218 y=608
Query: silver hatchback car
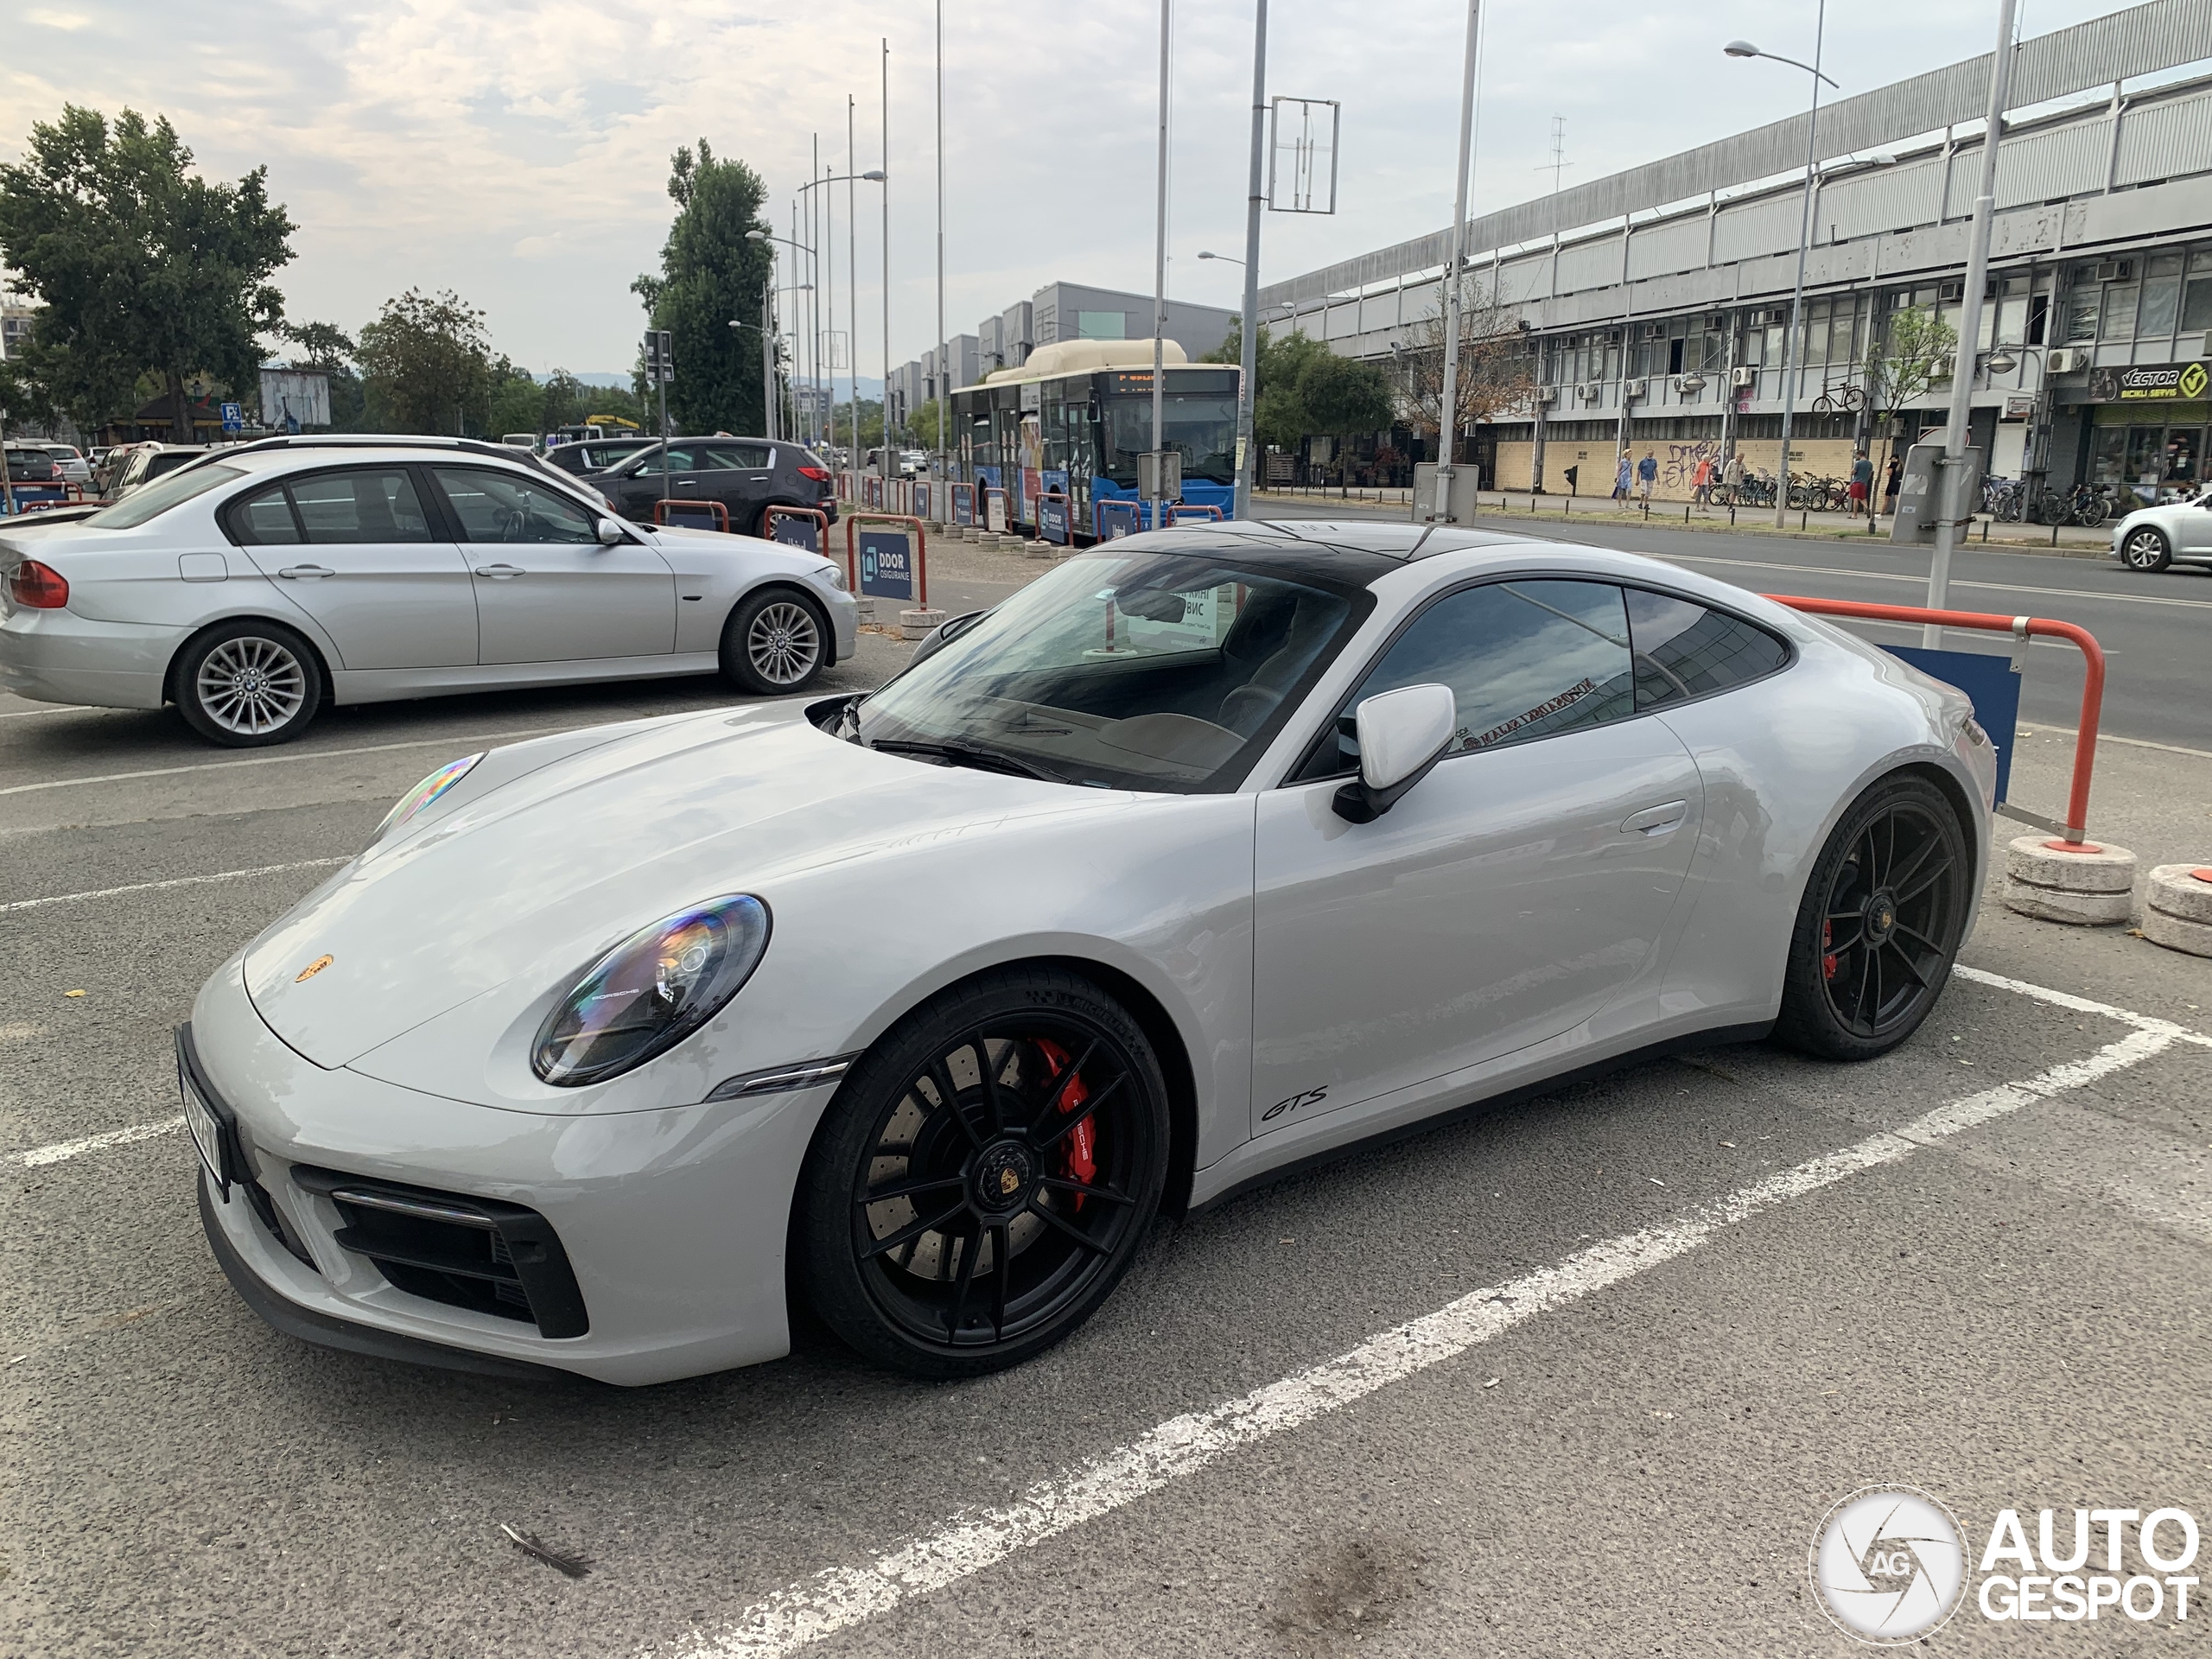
x=258 y=583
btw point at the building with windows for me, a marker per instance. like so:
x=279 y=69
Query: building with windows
x=1652 y=306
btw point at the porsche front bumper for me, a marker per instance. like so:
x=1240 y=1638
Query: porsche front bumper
x=671 y=1224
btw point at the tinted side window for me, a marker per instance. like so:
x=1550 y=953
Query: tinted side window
x=265 y=519
x=754 y=457
x=1524 y=660
x=1685 y=650
x=500 y=507
x=370 y=505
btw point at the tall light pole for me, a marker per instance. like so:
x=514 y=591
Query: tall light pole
x=1952 y=507
x=1447 y=420
x=1248 y=359
x=853 y=284
x=1160 y=295
x=943 y=367
x=798 y=287
x=1745 y=49
x=768 y=368
x=883 y=449
x=872 y=176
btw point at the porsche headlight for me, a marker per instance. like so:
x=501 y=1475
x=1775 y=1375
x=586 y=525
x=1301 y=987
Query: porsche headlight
x=652 y=991
x=426 y=791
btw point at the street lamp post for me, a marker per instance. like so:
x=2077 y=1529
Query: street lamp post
x=1447 y=422
x=1745 y=49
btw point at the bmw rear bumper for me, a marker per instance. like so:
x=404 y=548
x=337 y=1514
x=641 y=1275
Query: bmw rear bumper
x=673 y=1222
x=59 y=657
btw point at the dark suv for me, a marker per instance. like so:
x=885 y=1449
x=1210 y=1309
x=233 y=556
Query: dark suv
x=745 y=474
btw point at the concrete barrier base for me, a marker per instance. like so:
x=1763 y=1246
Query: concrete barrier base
x=913 y=625
x=2084 y=889
x=2178 y=908
x=1041 y=549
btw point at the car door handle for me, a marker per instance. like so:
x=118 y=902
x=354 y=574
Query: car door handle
x=499 y=572
x=1655 y=820
x=305 y=572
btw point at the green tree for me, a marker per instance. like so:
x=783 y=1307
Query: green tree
x=1280 y=417
x=141 y=266
x=1904 y=360
x=426 y=363
x=1497 y=373
x=1342 y=398
x=710 y=275
x=515 y=402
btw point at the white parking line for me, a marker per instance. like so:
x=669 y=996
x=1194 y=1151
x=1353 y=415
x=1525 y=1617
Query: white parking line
x=802 y=1614
x=65 y=1149
x=462 y=743
x=175 y=881
x=2082 y=1005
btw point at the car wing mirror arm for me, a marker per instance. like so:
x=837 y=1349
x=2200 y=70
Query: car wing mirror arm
x=1402 y=735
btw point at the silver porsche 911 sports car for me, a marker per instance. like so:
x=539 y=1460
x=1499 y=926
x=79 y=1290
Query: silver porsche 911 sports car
x=1212 y=851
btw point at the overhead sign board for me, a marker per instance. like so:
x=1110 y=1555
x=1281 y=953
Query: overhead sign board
x=2150 y=383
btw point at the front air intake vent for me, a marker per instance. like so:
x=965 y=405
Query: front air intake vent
x=479 y=1253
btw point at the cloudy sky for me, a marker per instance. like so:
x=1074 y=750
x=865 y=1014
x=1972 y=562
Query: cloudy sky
x=519 y=152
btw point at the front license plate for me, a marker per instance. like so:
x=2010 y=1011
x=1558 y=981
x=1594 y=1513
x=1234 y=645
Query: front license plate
x=207 y=1132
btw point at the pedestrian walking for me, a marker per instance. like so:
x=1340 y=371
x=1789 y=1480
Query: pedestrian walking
x=1892 y=476
x=1647 y=474
x=1862 y=484
x=1732 y=475
x=1622 y=474
x=1701 y=482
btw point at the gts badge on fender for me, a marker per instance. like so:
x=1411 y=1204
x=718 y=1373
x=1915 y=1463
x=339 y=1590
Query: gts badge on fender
x=1296 y=1103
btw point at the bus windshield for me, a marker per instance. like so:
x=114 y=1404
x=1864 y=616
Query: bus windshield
x=1202 y=426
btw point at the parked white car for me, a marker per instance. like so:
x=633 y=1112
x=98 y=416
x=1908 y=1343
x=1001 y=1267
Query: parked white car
x=2177 y=532
x=257 y=584
x=1210 y=853
x=68 y=465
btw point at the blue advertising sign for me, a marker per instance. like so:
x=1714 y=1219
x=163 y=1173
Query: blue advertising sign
x=922 y=499
x=1052 y=518
x=1118 y=518
x=962 y=503
x=1991 y=681
x=794 y=531
x=233 y=418
x=887 y=564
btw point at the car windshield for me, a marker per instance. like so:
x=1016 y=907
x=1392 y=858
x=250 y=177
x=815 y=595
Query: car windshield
x=159 y=497
x=1128 y=669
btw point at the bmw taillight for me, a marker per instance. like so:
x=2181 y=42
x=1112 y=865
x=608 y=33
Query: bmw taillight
x=819 y=475
x=38 y=587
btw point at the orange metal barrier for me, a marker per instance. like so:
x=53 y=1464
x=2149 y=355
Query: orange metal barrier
x=2022 y=627
x=769 y=515
x=717 y=513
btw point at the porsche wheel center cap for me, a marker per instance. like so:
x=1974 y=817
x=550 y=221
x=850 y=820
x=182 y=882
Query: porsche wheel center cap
x=1003 y=1172
x=1881 y=916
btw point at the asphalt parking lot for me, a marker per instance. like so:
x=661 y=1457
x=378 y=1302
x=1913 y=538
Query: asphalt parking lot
x=1659 y=1323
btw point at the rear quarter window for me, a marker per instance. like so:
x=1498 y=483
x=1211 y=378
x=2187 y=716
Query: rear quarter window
x=1683 y=650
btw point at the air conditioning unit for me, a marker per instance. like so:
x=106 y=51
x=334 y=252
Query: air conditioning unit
x=1588 y=391
x=1743 y=375
x=1951 y=291
x=2116 y=270
x=1635 y=388
x=2067 y=359
x=1547 y=396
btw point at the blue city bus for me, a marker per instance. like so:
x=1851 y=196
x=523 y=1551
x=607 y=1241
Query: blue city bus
x=1077 y=416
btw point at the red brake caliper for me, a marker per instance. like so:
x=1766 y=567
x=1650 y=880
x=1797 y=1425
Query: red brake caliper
x=1079 y=1148
x=1827 y=956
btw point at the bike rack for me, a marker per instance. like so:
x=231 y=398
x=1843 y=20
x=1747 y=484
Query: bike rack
x=769 y=515
x=853 y=522
x=2021 y=628
x=717 y=514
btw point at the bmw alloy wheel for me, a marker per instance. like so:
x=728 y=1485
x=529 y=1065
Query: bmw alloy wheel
x=783 y=643
x=251 y=686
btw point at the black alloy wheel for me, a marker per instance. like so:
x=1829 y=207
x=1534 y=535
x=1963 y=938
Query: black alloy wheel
x=2144 y=549
x=984 y=1177
x=1879 y=925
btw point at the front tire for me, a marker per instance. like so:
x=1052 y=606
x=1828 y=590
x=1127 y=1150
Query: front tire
x=1879 y=925
x=774 y=644
x=248 y=683
x=984 y=1177
x=2146 y=550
